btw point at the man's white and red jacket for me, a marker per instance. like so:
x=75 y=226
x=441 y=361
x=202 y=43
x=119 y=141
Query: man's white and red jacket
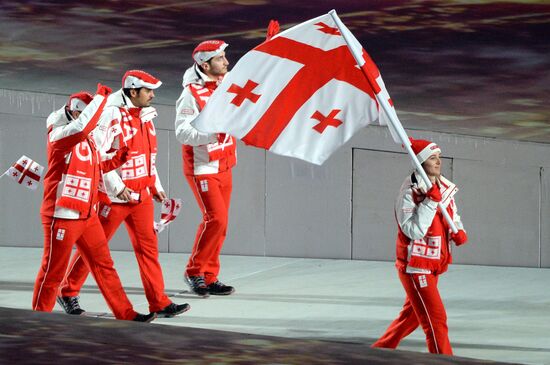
x=423 y=237
x=74 y=163
x=203 y=153
x=122 y=124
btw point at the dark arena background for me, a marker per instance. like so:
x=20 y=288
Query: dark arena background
x=468 y=67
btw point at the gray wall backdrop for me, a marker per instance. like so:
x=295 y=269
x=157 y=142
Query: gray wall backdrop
x=343 y=209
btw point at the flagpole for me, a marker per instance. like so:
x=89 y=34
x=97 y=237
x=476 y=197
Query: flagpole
x=393 y=120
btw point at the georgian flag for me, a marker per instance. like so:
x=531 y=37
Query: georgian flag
x=169 y=211
x=26 y=172
x=299 y=94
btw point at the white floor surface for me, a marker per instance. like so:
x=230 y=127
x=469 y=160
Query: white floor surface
x=494 y=313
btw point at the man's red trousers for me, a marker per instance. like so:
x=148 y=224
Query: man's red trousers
x=213 y=195
x=139 y=224
x=60 y=236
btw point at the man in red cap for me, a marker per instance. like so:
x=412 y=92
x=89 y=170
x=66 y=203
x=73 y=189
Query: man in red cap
x=207 y=163
x=424 y=251
x=128 y=121
x=70 y=206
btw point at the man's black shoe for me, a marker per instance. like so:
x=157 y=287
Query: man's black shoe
x=70 y=305
x=219 y=288
x=145 y=317
x=197 y=285
x=173 y=309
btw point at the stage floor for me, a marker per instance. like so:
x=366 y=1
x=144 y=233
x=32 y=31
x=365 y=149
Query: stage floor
x=495 y=313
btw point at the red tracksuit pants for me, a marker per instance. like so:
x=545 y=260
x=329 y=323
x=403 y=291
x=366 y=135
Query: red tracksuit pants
x=423 y=306
x=139 y=224
x=60 y=236
x=213 y=195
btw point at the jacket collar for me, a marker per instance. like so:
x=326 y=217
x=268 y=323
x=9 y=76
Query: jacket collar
x=193 y=75
x=119 y=100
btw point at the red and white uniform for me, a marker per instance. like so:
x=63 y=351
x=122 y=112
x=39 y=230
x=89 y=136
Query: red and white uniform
x=203 y=153
x=123 y=124
x=423 y=253
x=69 y=211
x=207 y=163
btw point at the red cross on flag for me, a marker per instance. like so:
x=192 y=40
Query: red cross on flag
x=26 y=172
x=169 y=211
x=300 y=94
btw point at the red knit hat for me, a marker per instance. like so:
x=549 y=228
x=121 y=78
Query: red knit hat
x=423 y=149
x=78 y=101
x=135 y=79
x=208 y=49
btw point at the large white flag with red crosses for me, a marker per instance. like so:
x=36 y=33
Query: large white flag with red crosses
x=26 y=172
x=299 y=94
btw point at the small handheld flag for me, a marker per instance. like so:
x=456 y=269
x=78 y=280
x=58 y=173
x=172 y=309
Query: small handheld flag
x=169 y=212
x=26 y=172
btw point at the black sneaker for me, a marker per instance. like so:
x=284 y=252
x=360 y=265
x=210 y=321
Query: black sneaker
x=173 y=309
x=197 y=285
x=70 y=305
x=219 y=288
x=145 y=317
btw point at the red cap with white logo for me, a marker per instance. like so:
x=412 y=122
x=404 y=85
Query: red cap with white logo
x=135 y=79
x=78 y=101
x=208 y=49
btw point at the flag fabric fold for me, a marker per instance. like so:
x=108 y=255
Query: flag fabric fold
x=371 y=72
x=26 y=172
x=300 y=94
x=169 y=211
x=388 y=115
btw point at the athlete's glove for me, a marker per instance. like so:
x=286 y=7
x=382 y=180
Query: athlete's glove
x=459 y=237
x=103 y=90
x=434 y=193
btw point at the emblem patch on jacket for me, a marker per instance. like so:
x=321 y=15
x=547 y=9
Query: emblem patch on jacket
x=187 y=111
x=204 y=186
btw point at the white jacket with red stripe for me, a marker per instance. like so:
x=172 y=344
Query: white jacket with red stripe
x=197 y=161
